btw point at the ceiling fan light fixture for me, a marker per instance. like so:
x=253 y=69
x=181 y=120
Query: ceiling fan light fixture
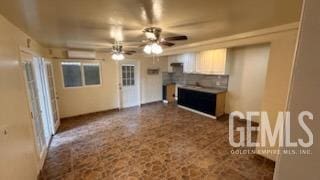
x=153 y=48
x=156 y=48
x=117 y=56
x=148 y=49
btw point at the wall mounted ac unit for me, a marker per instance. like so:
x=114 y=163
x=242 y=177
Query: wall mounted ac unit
x=73 y=54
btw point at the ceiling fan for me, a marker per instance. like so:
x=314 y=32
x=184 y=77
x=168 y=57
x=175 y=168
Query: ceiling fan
x=118 y=52
x=153 y=42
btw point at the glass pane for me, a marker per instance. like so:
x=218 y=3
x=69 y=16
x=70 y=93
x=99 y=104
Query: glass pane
x=28 y=68
x=52 y=93
x=132 y=82
x=55 y=116
x=50 y=82
x=49 y=70
x=72 y=74
x=91 y=74
x=53 y=105
x=124 y=82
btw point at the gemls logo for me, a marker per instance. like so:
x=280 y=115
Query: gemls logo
x=280 y=135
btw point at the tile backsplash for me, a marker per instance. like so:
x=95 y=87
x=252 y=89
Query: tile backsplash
x=210 y=81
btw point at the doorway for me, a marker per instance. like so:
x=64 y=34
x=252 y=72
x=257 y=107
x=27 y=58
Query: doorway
x=129 y=84
x=53 y=98
x=37 y=78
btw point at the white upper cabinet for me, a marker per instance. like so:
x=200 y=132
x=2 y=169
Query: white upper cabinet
x=212 y=61
x=204 y=62
x=189 y=62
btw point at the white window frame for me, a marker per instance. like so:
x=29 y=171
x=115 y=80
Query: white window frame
x=83 y=84
x=134 y=75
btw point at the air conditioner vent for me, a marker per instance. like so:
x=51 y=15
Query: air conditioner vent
x=73 y=54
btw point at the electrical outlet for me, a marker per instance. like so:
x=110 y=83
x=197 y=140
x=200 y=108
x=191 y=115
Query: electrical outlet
x=4 y=132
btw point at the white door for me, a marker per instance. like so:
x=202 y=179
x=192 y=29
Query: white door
x=34 y=104
x=129 y=85
x=52 y=95
x=44 y=98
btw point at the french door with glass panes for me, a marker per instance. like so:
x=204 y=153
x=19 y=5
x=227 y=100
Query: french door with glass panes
x=42 y=100
x=34 y=103
x=52 y=95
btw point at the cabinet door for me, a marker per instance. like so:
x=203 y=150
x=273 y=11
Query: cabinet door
x=200 y=101
x=181 y=97
x=219 y=61
x=204 y=62
x=189 y=62
x=211 y=62
x=207 y=103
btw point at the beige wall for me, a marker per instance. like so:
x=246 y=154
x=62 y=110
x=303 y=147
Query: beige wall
x=247 y=75
x=278 y=78
x=304 y=95
x=18 y=158
x=76 y=101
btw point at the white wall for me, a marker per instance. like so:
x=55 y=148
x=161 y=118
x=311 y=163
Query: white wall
x=304 y=95
x=247 y=75
x=151 y=85
x=18 y=158
x=77 y=101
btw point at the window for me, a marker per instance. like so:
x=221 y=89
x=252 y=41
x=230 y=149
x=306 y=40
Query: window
x=76 y=74
x=91 y=74
x=127 y=75
x=71 y=74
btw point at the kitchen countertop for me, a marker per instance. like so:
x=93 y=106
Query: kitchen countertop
x=203 y=89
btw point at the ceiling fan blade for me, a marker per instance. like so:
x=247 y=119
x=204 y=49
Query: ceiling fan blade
x=129 y=52
x=176 y=38
x=166 y=43
x=142 y=45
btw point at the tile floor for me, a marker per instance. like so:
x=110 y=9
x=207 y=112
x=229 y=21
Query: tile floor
x=155 y=141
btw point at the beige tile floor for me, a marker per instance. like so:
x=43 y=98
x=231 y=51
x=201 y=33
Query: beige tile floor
x=155 y=141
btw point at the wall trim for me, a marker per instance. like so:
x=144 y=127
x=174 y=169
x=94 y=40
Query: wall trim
x=197 y=112
x=150 y=103
x=90 y=113
x=251 y=34
x=109 y=110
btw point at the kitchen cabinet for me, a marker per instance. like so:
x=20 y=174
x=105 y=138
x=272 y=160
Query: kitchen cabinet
x=188 y=60
x=212 y=62
x=204 y=62
x=211 y=104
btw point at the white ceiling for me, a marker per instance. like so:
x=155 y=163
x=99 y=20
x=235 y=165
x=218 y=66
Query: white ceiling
x=93 y=24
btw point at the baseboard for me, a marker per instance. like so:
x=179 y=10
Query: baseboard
x=91 y=113
x=198 y=112
x=153 y=102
